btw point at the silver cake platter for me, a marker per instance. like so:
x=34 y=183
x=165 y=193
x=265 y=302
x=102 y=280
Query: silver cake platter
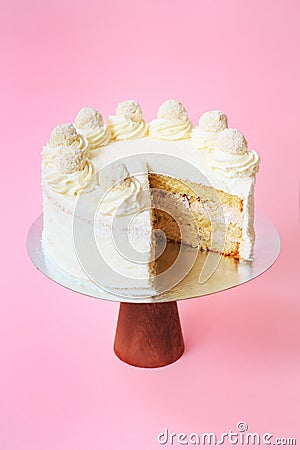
x=221 y=272
x=148 y=333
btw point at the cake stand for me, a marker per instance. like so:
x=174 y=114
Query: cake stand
x=148 y=332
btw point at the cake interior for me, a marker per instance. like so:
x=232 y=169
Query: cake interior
x=196 y=215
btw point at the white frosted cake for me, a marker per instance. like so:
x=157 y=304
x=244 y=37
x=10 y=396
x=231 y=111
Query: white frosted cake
x=112 y=192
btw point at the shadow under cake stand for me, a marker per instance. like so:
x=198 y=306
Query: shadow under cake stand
x=148 y=332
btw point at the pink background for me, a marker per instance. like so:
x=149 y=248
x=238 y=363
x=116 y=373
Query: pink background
x=61 y=387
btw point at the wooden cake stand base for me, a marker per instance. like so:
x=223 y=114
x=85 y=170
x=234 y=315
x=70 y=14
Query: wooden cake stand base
x=148 y=334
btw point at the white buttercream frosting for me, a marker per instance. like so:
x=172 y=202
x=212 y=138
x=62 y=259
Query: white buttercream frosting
x=172 y=122
x=97 y=138
x=203 y=137
x=89 y=122
x=228 y=166
x=245 y=165
x=72 y=183
x=122 y=199
x=231 y=156
x=128 y=122
x=203 y=140
x=122 y=128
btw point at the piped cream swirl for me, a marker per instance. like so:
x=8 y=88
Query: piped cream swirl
x=128 y=122
x=243 y=166
x=89 y=122
x=73 y=183
x=203 y=140
x=204 y=136
x=172 y=122
x=49 y=152
x=96 y=137
x=172 y=130
x=122 y=199
x=122 y=128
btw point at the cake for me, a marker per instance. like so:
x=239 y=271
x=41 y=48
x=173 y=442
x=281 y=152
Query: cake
x=115 y=194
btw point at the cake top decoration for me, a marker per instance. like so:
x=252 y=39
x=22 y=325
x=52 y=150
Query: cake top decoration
x=172 y=122
x=89 y=119
x=113 y=174
x=89 y=122
x=172 y=109
x=231 y=141
x=213 y=121
x=128 y=123
x=70 y=159
x=210 y=124
x=129 y=109
x=64 y=134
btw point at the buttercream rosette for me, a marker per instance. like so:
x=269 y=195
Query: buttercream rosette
x=64 y=135
x=128 y=123
x=172 y=122
x=89 y=123
x=72 y=172
x=231 y=156
x=210 y=124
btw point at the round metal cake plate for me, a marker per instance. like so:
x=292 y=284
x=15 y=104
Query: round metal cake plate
x=229 y=272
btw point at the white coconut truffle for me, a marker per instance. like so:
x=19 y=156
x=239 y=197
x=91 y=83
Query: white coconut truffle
x=172 y=109
x=213 y=121
x=231 y=141
x=113 y=174
x=130 y=109
x=89 y=119
x=64 y=134
x=70 y=159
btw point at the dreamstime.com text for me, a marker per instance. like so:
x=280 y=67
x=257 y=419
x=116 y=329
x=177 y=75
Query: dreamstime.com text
x=239 y=436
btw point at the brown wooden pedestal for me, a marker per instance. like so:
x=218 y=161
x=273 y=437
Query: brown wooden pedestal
x=148 y=334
